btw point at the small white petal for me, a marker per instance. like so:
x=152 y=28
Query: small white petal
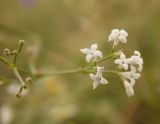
x=136 y=75
x=125 y=66
x=114 y=34
x=95 y=84
x=122 y=56
x=126 y=75
x=98 y=53
x=92 y=76
x=111 y=38
x=103 y=81
x=129 y=88
x=128 y=60
x=94 y=47
x=140 y=68
x=136 y=52
x=118 y=61
x=85 y=50
x=133 y=69
x=89 y=58
x=123 y=33
x=133 y=81
x=136 y=60
x=115 y=31
x=122 y=39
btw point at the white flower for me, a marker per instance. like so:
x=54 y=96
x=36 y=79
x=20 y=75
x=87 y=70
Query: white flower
x=129 y=79
x=92 y=54
x=122 y=61
x=128 y=87
x=98 y=78
x=132 y=75
x=118 y=36
x=136 y=60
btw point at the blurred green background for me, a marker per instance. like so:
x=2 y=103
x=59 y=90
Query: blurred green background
x=63 y=27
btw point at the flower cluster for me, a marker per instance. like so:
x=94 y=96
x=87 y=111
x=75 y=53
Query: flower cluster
x=92 y=55
x=118 y=36
x=128 y=68
x=132 y=67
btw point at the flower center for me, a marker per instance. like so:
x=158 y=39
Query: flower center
x=98 y=78
x=91 y=53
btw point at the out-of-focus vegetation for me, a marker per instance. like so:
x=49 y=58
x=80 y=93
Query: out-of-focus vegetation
x=63 y=27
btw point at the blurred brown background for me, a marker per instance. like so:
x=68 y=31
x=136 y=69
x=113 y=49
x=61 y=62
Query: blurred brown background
x=63 y=27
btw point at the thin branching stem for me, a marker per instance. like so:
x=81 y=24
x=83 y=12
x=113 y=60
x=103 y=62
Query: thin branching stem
x=69 y=71
x=17 y=52
x=18 y=76
x=14 y=69
x=111 y=71
x=5 y=61
x=104 y=58
x=87 y=69
x=15 y=59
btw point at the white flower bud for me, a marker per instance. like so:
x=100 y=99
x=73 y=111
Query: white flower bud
x=6 y=51
x=21 y=42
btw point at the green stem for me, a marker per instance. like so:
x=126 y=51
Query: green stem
x=104 y=58
x=17 y=52
x=99 y=61
x=87 y=69
x=69 y=71
x=113 y=48
x=15 y=59
x=17 y=75
x=5 y=61
x=111 y=71
x=15 y=71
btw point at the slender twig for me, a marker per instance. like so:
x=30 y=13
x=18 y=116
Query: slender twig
x=15 y=59
x=87 y=69
x=104 y=58
x=18 y=76
x=69 y=71
x=111 y=71
x=21 y=43
x=14 y=69
x=16 y=73
x=55 y=72
x=5 y=61
x=99 y=61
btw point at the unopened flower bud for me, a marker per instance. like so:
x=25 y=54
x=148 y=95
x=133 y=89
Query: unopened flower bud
x=21 y=42
x=28 y=80
x=14 y=52
x=6 y=51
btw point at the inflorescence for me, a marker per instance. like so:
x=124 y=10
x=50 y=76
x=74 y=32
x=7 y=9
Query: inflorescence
x=129 y=69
